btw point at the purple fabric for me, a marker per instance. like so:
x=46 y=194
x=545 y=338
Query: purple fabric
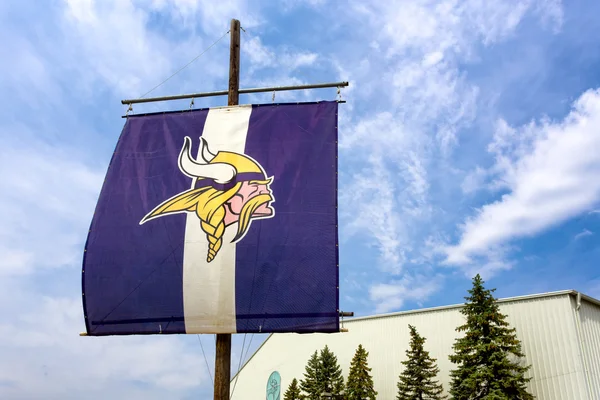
x=286 y=266
x=132 y=273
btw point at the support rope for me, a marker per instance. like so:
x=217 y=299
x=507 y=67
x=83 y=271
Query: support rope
x=239 y=366
x=206 y=361
x=185 y=66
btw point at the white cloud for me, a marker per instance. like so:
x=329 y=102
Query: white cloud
x=214 y=16
x=110 y=44
x=393 y=178
x=392 y=296
x=300 y=60
x=81 y=49
x=115 y=45
x=280 y=57
x=25 y=73
x=432 y=59
x=474 y=180
x=414 y=63
x=456 y=26
x=583 y=234
x=291 y=5
x=373 y=199
x=47 y=200
x=424 y=45
x=258 y=54
x=550 y=170
x=551 y=12
x=43 y=356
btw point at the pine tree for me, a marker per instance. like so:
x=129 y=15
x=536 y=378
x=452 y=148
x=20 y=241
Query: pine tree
x=360 y=381
x=330 y=375
x=293 y=391
x=417 y=380
x=487 y=355
x=311 y=385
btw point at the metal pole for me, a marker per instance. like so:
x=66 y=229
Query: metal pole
x=240 y=91
x=223 y=345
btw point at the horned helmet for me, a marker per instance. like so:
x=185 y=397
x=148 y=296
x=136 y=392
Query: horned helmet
x=222 y=170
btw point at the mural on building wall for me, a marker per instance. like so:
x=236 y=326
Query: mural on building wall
x=274 y=386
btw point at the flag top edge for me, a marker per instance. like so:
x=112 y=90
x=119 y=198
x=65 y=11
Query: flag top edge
x=253 y=105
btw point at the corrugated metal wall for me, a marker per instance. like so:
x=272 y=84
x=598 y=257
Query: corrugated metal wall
x=547 y=330
x=546 y=326
x=589 y=318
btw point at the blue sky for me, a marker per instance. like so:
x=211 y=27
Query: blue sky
x=470 y=143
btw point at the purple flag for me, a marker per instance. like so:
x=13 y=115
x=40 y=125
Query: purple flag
x=221 y=220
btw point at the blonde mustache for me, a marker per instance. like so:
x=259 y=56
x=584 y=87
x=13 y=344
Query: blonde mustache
x=247 y=211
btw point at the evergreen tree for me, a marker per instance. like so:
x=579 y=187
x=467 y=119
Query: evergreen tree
x=293 y=391
x=311 y=385
x=417 y=380
x=360 y=381
x=330 y=374
x=487 y=355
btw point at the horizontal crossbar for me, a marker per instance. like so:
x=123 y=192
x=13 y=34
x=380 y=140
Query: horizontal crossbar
x=241 y=91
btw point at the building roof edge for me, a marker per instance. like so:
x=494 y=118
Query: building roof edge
x=568 y=292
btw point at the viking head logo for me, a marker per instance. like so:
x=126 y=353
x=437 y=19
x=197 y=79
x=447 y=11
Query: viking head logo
x=228 y=188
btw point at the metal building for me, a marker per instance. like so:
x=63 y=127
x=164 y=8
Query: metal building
x=559 y=332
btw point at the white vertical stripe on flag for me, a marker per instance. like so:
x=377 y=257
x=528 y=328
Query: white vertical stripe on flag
x=209 y=288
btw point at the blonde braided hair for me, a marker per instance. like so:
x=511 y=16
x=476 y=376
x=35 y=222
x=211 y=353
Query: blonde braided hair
x=208 y=203
x=210 y=210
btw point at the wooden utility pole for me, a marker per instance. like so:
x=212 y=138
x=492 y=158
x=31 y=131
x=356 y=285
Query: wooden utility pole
x=233 y=96
x=223 y=347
